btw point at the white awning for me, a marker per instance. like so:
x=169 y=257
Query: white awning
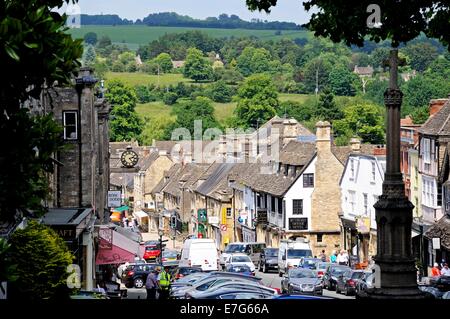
x=414 y=233
x=140 y=214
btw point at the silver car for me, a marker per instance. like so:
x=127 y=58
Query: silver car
x=301 y=281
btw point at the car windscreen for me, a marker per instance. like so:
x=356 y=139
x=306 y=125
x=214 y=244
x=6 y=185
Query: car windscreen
x=241 y=268
x=271 y=253
x=298 y=253
x=240 y=259
x=301 y=274
x=357 y=275
x=151 y=248
x=170 y=254
x=322 y=265
x=234 y=249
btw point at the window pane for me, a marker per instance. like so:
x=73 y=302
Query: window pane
x=69 y=119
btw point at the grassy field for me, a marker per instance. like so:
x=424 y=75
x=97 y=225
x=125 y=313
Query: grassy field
x=293 y=97
x=159 y=109
x=135 y=35
x=134 y=79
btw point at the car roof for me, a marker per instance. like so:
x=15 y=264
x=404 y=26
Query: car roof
x=239 y=254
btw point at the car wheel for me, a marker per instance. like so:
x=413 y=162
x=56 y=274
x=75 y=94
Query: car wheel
x=330 y=286
x=138 y=283
x=264 y=268
x=346 y=291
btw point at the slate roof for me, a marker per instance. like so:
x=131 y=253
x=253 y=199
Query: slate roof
x=180 y=178
x=342 y=152
x=122 y=179
x=439 y=123
x=297 y=153
x=216 y=177
x=162 y=183
x=441 y=230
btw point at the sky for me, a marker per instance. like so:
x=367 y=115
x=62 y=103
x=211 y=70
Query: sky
x=286 y=10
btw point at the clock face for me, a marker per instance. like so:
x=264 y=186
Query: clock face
x=129 y=158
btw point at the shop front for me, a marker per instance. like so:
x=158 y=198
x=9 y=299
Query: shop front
x=75 y=226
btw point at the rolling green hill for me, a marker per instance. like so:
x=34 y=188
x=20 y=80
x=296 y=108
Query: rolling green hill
x=136 y=35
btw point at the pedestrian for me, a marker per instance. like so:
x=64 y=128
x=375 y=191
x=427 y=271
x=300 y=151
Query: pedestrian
x=322 y=256
x=342 y=258
x=435 y=271
x=445 y=271
x=164 y=283
x=333 y=257
x=151 y=285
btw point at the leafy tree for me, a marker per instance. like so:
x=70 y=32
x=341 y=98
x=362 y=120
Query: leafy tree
x=125 y=124
x=254 y=60
x=170 y=98
x=375 y=90
x=89 y=56
x=341 y=81
x=419 y=90
x=300 y=112
x=155 y=129
x=189 y=111
x=104 y=42
x=35 y=49
x=228 y=75
x=257 y=100
x=378 y=56
x=361 y=59
x=420 y=115
x=220 y=92
x=316 y=72
x=421 y=55
x=439 y=68
x=42 y=258
x=327 y=108
x=197 y=67
x=363 y=120
x=127 y=57
x=164 y=61
x=90 y=38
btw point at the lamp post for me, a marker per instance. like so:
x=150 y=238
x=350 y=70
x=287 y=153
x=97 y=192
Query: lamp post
x=395 y=271
x=160 y=233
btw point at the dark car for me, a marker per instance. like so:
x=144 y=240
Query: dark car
x=302 y=281
x=243 y=269
x=268 y=259
x=331 y=275
x=309 y=263
x=136 y=275
x=234 y=293
x=365 y=284
x=347 y=281
x=181 y=272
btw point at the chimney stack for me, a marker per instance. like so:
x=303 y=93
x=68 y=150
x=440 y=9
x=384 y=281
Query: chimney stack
x=380 y=150
x=356 y=145
x=436 y=105
x=323 y=136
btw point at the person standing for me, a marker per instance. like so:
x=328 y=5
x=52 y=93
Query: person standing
x=333 y=257
x=435 y=271
x=151 y=285
x=322 y=256
x=342 y=258
x=445 y=271
x=164 y=283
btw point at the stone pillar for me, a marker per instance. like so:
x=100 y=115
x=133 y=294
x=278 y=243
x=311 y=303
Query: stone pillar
x=395 y=271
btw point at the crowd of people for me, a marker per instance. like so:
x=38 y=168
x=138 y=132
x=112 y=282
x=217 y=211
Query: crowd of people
x=440 y=270
x=341 y=258
x=158 y=281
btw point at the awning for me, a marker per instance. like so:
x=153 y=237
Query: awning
x=121 y=208
x=118 y=248
x=116 y=217
x=140 y=214
x=414 y=233
x=347 y=223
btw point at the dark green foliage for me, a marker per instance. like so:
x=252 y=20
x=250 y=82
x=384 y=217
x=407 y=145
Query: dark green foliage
x=125 y=124
x=90 y=38
x=257 y=101
x=420 y=115
x=89 y=56
x=42 y=258
x=340 y=81
x=197 y=67
x=104 y=42
x=300 y=111
x=219 y=92
x=419 y=90
x=327 y=109
x=375 y=91
x=421 y=55
x=170 y=98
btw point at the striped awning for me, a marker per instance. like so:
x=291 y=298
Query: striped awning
x=121 y=208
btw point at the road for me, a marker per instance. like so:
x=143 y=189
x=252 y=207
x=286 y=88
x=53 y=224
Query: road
x=270 y=279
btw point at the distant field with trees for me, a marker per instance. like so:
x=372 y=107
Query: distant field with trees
x=135 y=35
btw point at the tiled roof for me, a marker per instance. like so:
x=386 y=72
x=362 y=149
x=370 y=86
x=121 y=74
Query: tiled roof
x=297 y=153
x=438 y=124
x=342 y=152
x=162 y=183
x=441 y=230
x=363 y=70
x=122 y=179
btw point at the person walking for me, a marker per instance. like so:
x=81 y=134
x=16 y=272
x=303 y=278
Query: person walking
x=342 y=258
x=333 y=257
x=435 y=271
x=445 y=271
x=322 y=256
x=151 y=285
x=164 y=283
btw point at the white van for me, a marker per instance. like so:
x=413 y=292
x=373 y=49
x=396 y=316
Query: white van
x=290 y=254
x=200 y=253
x=253 y=250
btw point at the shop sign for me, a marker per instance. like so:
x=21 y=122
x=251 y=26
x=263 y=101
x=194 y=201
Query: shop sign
x=66 y=232
x=298 y=223
x=436 y=243
x=114 y=199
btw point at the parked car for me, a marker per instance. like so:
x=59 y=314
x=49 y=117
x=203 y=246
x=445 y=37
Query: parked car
x=446 y=295
x=242 y=269
x=239 y=260
x=309 y=263
x=347 y=281
x=365 y=285
x=301 y=280
x=321 y=268
x=121 y=269
x=268 y=259
x=209 y=281
x=234 y=284
x=181 y=272
x=291 y=253
x=200 y=252
x=253 y=250
x=304 y=297
x=170 y=258
x=152 y=252
x=233 y=293
x=136 y=275
x=331 y=274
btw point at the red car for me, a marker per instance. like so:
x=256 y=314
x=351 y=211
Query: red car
x=152 y=252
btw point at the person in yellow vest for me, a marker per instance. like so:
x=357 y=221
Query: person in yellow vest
x=164 y=283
